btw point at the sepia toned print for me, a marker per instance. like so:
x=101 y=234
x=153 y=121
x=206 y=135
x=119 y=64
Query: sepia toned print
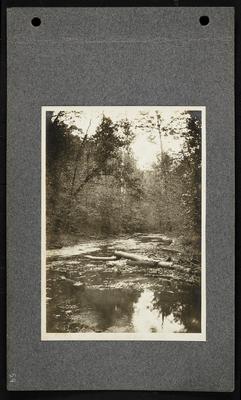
x=123 y=223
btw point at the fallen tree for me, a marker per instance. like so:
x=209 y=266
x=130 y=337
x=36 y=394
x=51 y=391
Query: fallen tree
x=143 y=263
x=170 y=250
x=111 y=258
x=136 y=259
x=141 y=260
x=151 y=263
x=130 y=256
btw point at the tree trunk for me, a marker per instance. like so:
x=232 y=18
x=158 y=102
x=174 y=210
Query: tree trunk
x=170 y=250
x=150 y=262
x=141 y=260
x=111 y=258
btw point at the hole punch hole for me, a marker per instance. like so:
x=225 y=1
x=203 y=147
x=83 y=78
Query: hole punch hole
x=204 y=20
x=36 y=21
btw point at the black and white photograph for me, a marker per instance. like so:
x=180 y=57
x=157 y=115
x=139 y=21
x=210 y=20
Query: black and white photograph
x=123 y=223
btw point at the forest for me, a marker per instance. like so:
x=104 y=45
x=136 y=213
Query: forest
x=123 y=220
x=96 y=188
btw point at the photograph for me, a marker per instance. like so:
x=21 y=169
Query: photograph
x=123 y=223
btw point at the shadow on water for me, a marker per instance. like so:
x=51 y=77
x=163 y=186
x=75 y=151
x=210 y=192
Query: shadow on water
x=95 y=297
x=93 y=310
x=76 y=309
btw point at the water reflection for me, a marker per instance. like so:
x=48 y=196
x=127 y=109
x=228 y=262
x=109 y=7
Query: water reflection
x=148 y=318
x=79 y=309
x=84 y=296
x=92 y=310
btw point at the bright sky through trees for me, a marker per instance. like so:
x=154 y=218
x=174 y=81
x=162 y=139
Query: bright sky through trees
x=145 y=150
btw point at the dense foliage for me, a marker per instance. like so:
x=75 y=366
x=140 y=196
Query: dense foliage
x=94 y=185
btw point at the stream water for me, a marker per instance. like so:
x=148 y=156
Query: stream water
x=85 y=295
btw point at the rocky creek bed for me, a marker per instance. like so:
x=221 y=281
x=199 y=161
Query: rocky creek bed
x=120 y=295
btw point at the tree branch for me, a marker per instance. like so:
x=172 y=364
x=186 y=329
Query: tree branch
x=86 y=180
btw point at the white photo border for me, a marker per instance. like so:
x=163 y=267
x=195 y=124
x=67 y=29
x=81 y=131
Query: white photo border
x=46 y=336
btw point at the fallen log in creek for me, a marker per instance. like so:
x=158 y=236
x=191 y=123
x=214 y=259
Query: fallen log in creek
x=170 y=250
x=140 y=260
x=135 y=259
x=151 y=263
x=130 y=256
x=158 y=263
x=111 y=258
x=145 y=263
